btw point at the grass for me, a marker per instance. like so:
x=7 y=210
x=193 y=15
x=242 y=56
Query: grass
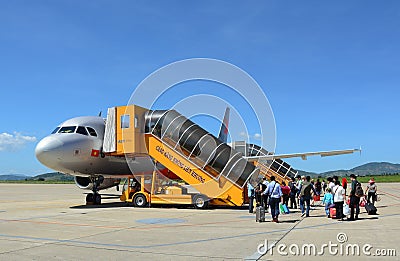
x=379 y=179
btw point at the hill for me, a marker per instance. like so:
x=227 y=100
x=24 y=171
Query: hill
x=52 y=176
x=372 y=168
x=13 y=177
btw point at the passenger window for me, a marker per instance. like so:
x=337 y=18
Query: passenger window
x=125 y=119
x=67 y=129
x=82 y=130
x=55 y=130
x=91 y=131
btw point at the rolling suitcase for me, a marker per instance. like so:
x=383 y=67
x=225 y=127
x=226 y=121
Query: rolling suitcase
x=260 y=214
x=370 y=208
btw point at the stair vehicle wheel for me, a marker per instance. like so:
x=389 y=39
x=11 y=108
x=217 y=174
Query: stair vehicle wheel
x=200 y=201
x=139 y=200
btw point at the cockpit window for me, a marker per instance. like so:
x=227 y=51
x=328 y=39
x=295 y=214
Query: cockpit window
x=92 y=132
x=81 y=130
x=67 y=129
x=55 y=130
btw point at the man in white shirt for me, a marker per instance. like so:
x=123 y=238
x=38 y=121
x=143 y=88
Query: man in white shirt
x=275 y=193
x=339 y=198
x=331 y=184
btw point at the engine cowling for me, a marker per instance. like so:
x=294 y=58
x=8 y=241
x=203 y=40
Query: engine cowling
x=86 y=183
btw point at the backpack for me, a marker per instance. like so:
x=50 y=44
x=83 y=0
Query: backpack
x=293 y=188
x=359 y=192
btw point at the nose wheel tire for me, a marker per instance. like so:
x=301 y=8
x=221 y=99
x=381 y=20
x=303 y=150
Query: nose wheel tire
x=93 y=199
x=139 y=200
x=97 y=199
x=89 y=199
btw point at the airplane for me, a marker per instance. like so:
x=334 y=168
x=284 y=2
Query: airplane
x=75 y=148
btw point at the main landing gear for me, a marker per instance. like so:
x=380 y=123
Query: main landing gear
x=95 y=198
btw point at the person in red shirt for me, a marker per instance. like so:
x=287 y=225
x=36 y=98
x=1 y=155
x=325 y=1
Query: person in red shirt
x=285 y=192
x=344 y=184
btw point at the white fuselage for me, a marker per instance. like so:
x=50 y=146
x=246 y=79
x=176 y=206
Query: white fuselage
x=75 y=148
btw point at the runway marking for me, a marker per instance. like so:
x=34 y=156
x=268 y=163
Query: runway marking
x=171 y=244
x=387 y=193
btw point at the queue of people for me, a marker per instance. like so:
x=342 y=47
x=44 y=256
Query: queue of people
x=302 y=192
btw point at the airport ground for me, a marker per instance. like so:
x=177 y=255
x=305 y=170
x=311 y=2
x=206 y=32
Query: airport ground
x=50 y=222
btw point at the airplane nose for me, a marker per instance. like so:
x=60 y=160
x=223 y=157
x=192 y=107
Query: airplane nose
x=47 y=150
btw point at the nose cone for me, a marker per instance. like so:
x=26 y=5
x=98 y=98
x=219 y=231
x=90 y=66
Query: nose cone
x=47 y=151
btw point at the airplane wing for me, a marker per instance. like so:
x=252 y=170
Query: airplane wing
x=302 y=155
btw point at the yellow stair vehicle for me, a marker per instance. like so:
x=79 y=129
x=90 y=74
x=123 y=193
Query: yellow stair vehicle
x=207 y=170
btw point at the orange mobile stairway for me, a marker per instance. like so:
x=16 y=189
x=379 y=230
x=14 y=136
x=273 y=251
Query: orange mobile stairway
x=210 y=166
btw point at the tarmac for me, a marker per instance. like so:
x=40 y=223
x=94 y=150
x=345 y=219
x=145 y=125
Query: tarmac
x=51 y=222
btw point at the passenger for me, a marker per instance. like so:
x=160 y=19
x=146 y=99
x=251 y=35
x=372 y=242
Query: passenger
x=318 y=187
x=264 y=193
x=312 y=197
x=344 y=184
x=371 y=191
x=293 y=193
x=339 y=198
x=335 y=178
x=331 y=184
x=324 y=185
x=275 y=193
x=354 y=200
x=328 y=201
x=298 y=187
x=251 y=195
x=285 y=193
x=260 y=188
x=305 y=196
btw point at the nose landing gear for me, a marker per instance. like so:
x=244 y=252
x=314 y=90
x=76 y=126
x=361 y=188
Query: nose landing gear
x=95 y=198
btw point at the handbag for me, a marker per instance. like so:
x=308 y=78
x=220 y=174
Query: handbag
x=346 y=210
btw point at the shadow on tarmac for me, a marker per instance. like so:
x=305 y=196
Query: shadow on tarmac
x=155 y=206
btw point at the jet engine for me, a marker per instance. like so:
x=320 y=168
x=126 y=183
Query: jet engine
x=86 y=183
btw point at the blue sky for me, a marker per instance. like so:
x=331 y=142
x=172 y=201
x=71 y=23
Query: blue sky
x=330 y=70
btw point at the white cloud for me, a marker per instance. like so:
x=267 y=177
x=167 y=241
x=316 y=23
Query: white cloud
x=257 y=136
x=243 y=134
x=15 y=141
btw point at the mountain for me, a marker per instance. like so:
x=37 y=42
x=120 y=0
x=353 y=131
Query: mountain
x=306 y=173
x=372 y=168
x=53 y=176
x=13 y=177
